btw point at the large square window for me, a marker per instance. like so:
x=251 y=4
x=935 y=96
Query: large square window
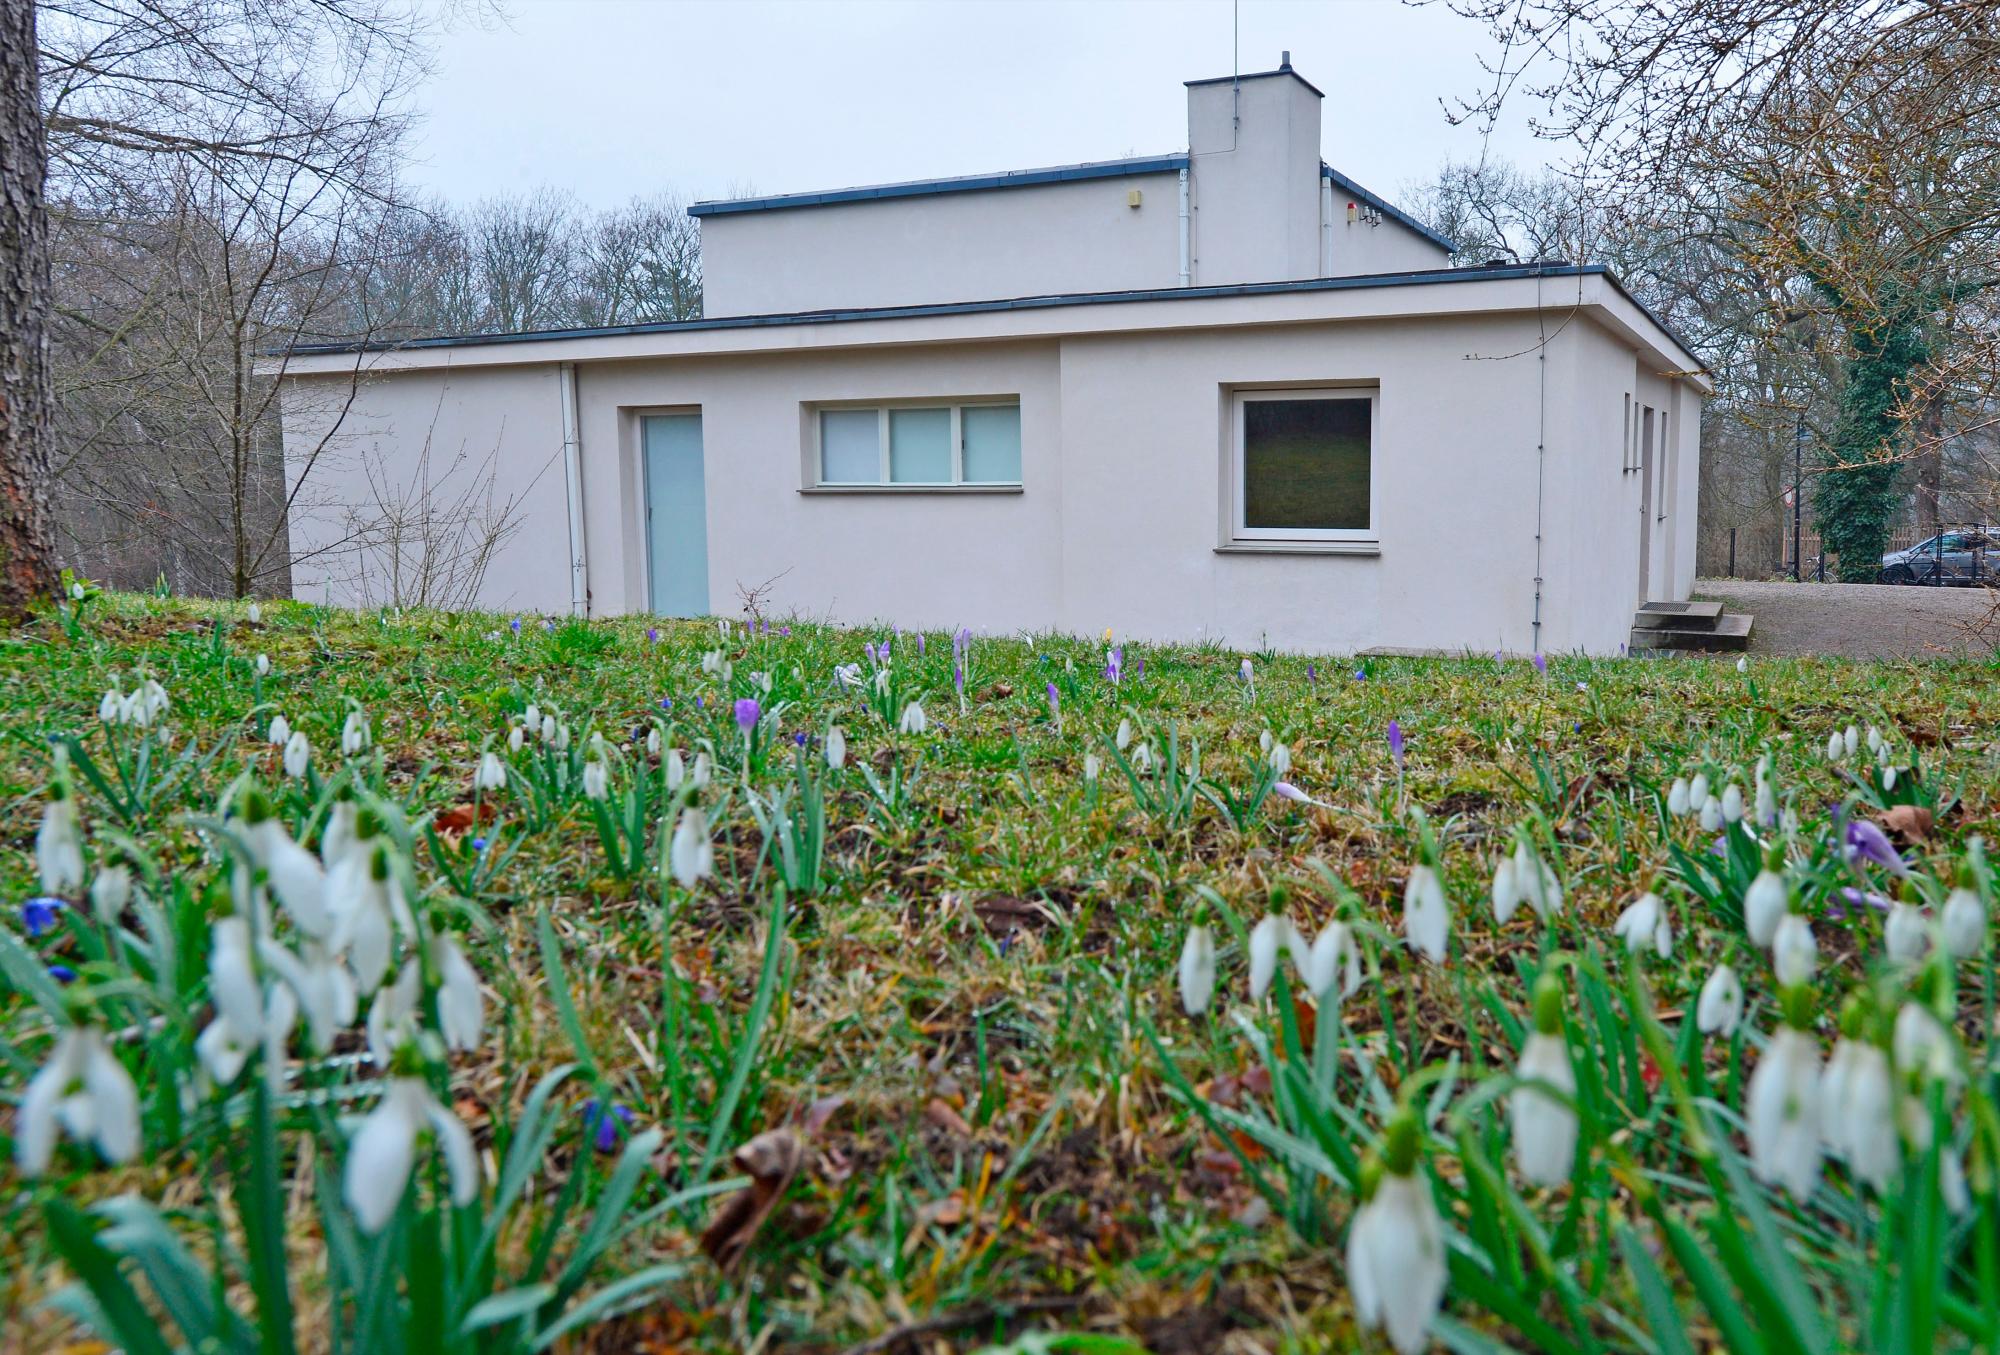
x=1304 y=465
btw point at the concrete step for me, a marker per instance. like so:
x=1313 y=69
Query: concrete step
x=1677 y=615
x=1729 y=632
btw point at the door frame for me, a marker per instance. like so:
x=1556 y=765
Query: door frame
x=638 y=415
x=1647 y=415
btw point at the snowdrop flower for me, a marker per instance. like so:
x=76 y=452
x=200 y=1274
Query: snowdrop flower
x=1850 y=741
x=560 y=741
x=59 y=841
x=1545 y=1127
x=1197 y=969
x=320 y=980
x=532 y=716
x=1644 y=923
x=111 y=892
x=263 y=665
x=1249 y=676
x=1124 y=739
x=1395 y=1248
x=1721 y=1003
x=354 y=735
x=1876 y=743
x=836 y=748
x=1280 y=759
x=392 y=1016
x=226 y=1043
x=1698 y=790
x=1964 y=922
x=461 y=1007
x=702 y=770
x=255 y=613
x=516 y=737
x=1767 y=802
x=1904 y=933
x=298 y=755
x=548 y=729
x=1765 y=901
x=1677 y=798
x=1794 y=953
x=1858 y=1110
x=1426 y=913
x=1732 y=803
x=1091 y=766
x=692 y=855
x=596 y=780
x=1743 y=665
x=914 y=720
x=1536 y=880
x=384 y=1149
x=676 y=770
x=112 y=706
x=232 y=973
x=368 y=906
x=1711 y=815
x=1836 y=747
x=491 y=773
x=83 y=1091
x=296 y=878
x=1273 y=934
x=1142 y=761
x=847 y=674
x=280 y=731
x=1921 y=1044
x=1333 y=965
x=1506 y=890
x=1783 y=1105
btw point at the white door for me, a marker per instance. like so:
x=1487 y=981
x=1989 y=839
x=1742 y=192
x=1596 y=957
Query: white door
x=676 y=514
x=1645 y=501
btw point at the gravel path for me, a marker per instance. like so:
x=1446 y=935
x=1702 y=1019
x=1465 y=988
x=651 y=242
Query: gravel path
x=1861 y=621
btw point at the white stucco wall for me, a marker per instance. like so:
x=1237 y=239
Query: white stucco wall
x=1487 y=422
x=1387 y=247
x=479 y=446
x=1079 y=236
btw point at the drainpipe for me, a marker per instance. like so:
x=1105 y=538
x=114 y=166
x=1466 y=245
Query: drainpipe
x=1186 y=260
x=1325 y=227
x=579 y=566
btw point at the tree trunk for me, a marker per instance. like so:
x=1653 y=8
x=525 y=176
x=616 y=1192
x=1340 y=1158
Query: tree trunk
x=27 y=396
x=1930 y=468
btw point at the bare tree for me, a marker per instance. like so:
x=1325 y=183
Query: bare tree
x=27 y=557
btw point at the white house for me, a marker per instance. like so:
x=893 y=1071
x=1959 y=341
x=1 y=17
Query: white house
x=1221 y=393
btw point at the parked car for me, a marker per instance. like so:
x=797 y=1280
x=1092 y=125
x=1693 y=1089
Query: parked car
x=1961 y=558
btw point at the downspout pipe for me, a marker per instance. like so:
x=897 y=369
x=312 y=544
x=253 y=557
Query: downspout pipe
x=1187 y=260
x=1325 y=227
x=572 y=456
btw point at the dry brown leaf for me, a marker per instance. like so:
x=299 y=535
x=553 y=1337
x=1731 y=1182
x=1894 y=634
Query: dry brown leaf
x=940 y=1113
x=1912 y=823
x=771 y=1160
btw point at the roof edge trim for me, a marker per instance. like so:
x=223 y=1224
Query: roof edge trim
x=966 y=183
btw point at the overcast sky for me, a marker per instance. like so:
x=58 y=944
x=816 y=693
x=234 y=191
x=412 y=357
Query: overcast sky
x=612 y=98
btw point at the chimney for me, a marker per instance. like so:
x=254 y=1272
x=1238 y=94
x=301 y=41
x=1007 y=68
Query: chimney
x=1254 y=177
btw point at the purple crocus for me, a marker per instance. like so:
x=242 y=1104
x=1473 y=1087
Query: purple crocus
x=1312 y=675
x=747 y=713
x=653 y=634
x=1542 y=664
x=1055 y=701
x=40 y=914
x=515 y=625
x=920 y=644
x=1114 y=665
x=958 y=678
x=603 y=1127
x=1396 y=743
x=1866 y=842
x=1836 y=906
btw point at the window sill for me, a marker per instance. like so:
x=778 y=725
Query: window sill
x=1300 y=548
x=839 y=490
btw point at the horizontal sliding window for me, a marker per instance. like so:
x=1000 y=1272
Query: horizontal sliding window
x=921 y=445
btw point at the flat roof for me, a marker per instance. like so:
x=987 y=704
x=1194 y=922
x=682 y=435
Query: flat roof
x=1385 y=207
x=964 y=183
x=1256 y=75
x=1421 y=278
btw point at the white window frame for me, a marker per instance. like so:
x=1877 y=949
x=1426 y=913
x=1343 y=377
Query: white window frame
x=882 y=410
x=1243 y=398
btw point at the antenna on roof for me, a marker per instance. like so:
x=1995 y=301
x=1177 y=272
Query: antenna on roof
x=1235 y=70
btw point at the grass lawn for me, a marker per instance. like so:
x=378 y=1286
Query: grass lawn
x=995 y=1116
